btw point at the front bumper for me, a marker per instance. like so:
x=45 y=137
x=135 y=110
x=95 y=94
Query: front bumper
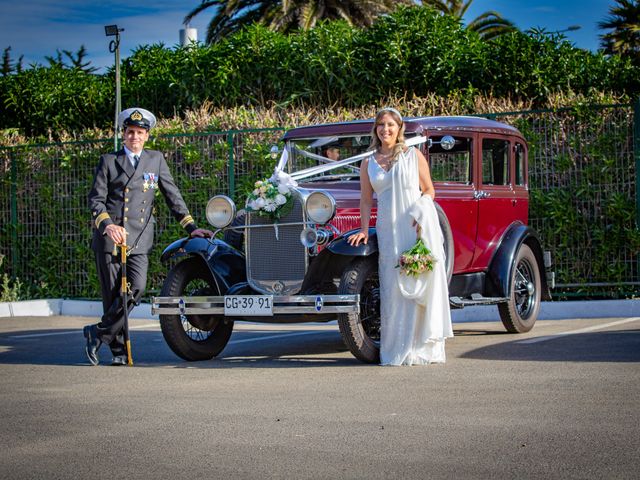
x=281 y=305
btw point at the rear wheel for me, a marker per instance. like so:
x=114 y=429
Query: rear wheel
x=193 y=337
x=361 y=331
x=519 y=314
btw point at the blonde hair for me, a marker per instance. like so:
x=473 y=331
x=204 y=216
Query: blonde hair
x=375 y=141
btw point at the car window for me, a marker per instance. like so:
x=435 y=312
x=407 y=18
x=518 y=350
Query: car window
x=520 y=165
x=454 y=165
x=495 y=161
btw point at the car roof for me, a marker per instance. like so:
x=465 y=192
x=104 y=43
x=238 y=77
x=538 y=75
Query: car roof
x=416 y=125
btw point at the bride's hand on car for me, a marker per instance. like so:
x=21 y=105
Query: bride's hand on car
x=356 y=238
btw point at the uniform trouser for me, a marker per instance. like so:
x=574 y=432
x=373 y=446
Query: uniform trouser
x=110 y=330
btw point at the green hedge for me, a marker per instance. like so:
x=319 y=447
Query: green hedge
x=413 y=52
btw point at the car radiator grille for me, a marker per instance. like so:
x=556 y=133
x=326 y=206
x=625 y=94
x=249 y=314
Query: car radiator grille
x=276 y=260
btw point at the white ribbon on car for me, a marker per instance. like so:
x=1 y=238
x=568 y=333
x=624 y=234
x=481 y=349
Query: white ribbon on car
x=326 y=160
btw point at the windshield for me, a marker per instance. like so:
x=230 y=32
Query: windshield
x=310 y=152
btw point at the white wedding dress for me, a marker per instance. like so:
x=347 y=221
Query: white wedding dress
x=414 y=313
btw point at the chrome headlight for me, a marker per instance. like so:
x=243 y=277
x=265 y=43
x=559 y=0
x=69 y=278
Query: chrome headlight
x=320 y=207
x=220 y=211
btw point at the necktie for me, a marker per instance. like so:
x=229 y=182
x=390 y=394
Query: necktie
x=136 y=159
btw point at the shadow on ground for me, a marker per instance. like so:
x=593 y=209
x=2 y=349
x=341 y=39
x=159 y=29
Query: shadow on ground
x=605 y=346
x=66 y=348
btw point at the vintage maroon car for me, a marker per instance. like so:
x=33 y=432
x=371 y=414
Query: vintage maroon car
x=300 y=268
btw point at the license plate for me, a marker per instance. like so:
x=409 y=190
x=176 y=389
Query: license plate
x=256 y=305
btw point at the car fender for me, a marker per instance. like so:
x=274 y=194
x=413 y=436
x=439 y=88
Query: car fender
x=340 y=246
x=503 y=260
x=226 y=264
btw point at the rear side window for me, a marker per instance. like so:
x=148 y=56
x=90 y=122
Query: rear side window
x=495 y=161
x=454 y=165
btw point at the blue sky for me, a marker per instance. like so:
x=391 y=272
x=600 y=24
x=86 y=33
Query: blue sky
x=36 y=28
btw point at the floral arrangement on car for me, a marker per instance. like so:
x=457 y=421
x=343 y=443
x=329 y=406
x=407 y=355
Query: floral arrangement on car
x=271 y=197
x=417 y=260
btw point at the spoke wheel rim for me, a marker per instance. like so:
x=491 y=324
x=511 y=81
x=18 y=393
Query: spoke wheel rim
x=524 y=294
x=370 y=308
x=195 y=288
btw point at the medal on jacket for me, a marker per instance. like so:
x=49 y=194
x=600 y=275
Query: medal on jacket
x=149 y=181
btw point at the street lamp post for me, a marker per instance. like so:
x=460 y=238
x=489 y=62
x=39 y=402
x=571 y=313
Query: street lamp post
x=114 y=47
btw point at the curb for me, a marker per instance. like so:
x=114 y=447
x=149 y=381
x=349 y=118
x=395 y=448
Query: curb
x=485 y=313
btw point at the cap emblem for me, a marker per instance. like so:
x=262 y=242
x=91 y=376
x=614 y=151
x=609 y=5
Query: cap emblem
x=136 y=116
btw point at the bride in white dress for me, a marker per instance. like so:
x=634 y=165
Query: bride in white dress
x=414 y=313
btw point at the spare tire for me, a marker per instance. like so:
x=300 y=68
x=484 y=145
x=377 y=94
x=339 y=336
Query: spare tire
x=235 y=238
x=449 y=251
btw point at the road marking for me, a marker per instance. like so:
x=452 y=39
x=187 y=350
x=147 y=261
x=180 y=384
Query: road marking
x=270 y=337
x=157 y=325
x=36 y=335
x=581 y=330
x=74 y=332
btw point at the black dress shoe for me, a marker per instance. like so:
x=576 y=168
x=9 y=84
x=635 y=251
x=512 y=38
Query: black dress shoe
x=119 y=361
x=93 y=344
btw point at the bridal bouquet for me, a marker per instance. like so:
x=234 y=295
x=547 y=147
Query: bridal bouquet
x=418 y=259
x=270 y=197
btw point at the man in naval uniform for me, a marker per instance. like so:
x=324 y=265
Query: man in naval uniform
x=121 y=203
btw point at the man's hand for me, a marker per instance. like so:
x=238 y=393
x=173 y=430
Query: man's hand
x=201 y=232
x=116 y=233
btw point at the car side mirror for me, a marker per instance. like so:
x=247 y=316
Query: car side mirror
x=447 y=142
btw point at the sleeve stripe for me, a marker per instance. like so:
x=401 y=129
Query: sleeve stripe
x=186 y=220
x=101 y=218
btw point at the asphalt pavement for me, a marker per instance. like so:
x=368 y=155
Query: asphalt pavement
x=290 y=402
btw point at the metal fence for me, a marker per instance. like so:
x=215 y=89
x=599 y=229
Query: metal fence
x=583 y=179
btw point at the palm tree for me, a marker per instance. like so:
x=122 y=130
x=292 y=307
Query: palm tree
x=288 y=15
x=624 y=23
x=488 y=25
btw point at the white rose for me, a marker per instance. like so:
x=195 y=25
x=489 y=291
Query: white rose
x=260 y=203
x=283 y=189
x=270 y=207
x=281 y=199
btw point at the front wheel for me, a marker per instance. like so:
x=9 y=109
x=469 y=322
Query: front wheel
x=361 y=331
x=193 y=337
x=519 y=314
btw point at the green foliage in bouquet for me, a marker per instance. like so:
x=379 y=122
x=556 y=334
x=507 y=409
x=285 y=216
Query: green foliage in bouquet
x=417 y=260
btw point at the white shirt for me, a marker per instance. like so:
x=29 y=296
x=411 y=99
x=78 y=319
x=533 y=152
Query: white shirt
x=130 y=156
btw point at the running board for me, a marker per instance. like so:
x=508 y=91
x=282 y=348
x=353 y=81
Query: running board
x=476 y=299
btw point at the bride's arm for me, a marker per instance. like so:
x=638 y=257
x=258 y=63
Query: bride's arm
x=366 y=202
x=426 y=185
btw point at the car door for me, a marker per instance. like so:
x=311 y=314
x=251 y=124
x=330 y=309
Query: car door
x=498 y=204
x=452 y=173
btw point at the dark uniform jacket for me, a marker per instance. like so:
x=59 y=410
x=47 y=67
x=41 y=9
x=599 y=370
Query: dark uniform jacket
x=124 y=196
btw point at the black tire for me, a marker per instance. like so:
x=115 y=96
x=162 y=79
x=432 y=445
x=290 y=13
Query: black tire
x=448 y=241
x=519 y=314
x=193 y=337
x=235 y=238
x=361 y=331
